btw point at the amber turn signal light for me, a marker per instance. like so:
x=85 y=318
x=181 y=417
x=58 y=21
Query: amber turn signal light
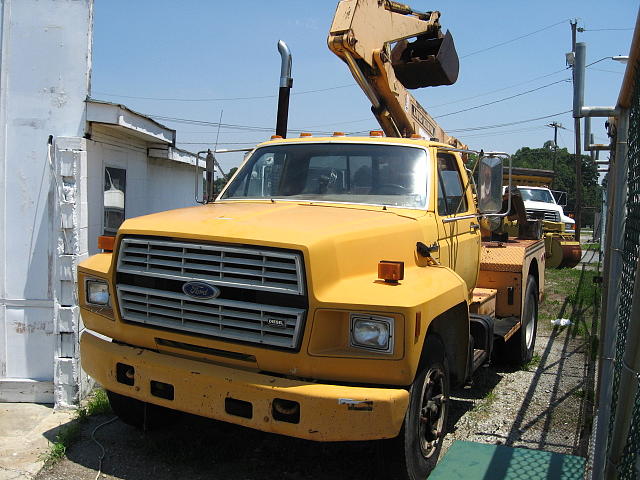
x=390 y=272
x=106 y=242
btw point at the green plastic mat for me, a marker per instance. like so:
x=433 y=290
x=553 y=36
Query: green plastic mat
x=480 y=461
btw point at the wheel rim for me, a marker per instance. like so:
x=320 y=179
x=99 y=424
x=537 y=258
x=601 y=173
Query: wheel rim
x=433 y=404
x=531 y=324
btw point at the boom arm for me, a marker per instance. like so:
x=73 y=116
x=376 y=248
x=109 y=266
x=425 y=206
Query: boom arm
x=361 y=35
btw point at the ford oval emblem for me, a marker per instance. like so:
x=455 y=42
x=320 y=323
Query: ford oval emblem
x=200 y=290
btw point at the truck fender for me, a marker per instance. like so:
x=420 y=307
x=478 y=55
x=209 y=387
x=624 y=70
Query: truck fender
x=452 y=327
x=446 y=315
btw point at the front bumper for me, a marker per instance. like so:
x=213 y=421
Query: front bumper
x=327 y=412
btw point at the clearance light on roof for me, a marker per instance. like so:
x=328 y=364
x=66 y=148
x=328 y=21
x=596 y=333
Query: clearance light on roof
x=375 y=133
x=338 y=134
x=276 y=137
x=106 y=242
x=391 y=272
x=415 y=135
x=305 y=134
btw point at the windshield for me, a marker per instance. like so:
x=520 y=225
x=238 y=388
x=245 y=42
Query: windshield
x=335 y=172
x=536 y=195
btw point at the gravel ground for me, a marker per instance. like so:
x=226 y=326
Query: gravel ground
x=539 y=409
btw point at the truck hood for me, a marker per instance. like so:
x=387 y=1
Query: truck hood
x=345 y=240
x=529 y=204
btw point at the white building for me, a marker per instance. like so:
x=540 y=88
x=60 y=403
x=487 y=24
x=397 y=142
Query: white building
x=70 y=169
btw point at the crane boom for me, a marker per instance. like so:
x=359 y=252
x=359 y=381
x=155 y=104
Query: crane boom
x=362 y=35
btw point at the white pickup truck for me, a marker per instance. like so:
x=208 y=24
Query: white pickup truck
x=540 y=204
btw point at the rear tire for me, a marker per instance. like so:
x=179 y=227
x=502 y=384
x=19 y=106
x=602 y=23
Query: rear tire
x=520 y=346
x=417 y=448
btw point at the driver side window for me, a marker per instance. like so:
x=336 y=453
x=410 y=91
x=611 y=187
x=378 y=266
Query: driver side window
x=451 y=195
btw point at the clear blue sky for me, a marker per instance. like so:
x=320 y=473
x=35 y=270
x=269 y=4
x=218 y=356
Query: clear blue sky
x=195 y=49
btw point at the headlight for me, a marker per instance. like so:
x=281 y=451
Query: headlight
x=97 y=292
x=372 y=332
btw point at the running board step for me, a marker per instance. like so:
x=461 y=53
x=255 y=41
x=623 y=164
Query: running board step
x=504 y=328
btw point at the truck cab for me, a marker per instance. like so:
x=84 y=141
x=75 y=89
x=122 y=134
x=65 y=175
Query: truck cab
x=333 y=291
x=541 y=204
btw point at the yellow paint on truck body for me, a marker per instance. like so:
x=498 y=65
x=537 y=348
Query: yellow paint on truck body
x=341 y=246
x=202 y=388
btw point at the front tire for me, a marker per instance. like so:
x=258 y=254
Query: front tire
x=418 y=445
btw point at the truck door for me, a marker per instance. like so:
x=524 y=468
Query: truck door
x=458 y=237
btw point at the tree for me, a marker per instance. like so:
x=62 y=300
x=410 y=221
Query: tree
x=565 y=175
x=220 y=182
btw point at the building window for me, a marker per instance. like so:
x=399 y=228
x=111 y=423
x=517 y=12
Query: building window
x=115 y=186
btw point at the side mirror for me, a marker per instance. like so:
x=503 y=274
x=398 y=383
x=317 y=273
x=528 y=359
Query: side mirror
x=490 y=185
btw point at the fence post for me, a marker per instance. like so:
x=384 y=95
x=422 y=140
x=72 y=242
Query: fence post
x=612 y=273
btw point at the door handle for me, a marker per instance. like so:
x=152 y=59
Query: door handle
x=474 y=226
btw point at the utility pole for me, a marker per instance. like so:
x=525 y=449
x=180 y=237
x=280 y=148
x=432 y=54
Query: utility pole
x=578 y=156
x=555 y=126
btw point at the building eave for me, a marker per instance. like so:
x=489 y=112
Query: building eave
x=136 y=124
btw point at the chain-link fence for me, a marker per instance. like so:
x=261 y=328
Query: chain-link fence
x=628 y=464
x=627 y=467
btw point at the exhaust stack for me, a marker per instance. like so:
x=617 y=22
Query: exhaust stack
x=286 y=82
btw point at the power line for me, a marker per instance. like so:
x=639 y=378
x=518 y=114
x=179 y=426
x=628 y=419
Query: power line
x=515 y=39
x=608 y=71
x=503 y=99
x=498 y=125
x=249 y=128
x=499 y=89
x=222 y=99
x=503 y=132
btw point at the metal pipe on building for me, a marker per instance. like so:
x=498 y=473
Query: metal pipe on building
x=612 y=271
x=598 y=111
x=580 y=55
x=286 y=82
x=580 y=51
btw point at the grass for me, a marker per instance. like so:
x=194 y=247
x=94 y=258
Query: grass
x=96 y=404
x=483 y=407
x=572 y=294
x=67 y=436
x=531 y=364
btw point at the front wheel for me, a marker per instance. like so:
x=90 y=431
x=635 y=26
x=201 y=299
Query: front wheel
x=418 y=446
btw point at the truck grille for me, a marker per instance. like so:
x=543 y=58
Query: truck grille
x=250 y=268
x=229 y=319
x=543 y=215
x=259 y=298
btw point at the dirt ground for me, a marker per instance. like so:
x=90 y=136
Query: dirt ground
x=544 y=407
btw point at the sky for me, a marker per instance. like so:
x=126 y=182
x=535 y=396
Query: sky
x=210 y=60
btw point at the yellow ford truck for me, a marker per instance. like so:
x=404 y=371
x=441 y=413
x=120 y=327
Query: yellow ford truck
x=338 y=286
x=334 y=291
